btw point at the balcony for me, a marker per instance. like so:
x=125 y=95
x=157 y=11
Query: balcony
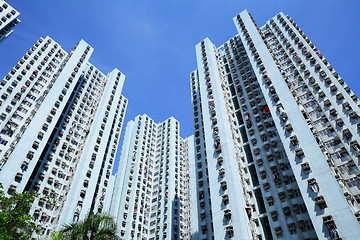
x=321 y=94
x=223 y=185
x=275 y=98
x=225 y=199
x=333 y=112
x=347 y=134
x=305 y=167
x=331 y=226
x=214 y=120
x=313 y=185
x=11 y=189
x=222 y=172
x=217 y=145
x=327 y=103
x=356 y=146
x=227 y=214
x=229 y=230
x=333 y=88
x=283 y=116
x=278 y=231
x=220 y=160
x=288 y=127
x=320 y=201
x=287 y=211
x=41 y=176
x=327 y=80
x=354 y=115
x=24 y=166
x=18 y=177
x=216 y=130
x=346 y=106
x=294 y=141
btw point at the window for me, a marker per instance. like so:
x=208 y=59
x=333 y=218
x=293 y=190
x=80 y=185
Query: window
x=357 y=198
x=337 y=155
x=320 y=201
x=352 y=182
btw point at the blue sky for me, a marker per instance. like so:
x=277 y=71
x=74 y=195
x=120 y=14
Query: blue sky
x=153 y=42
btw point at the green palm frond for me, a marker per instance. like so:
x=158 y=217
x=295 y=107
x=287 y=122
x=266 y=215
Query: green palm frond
x=97 y=226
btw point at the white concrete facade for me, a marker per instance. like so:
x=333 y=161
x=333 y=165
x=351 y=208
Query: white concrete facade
x=60 y=126
x=276 y=130
x=317 y=117
x=151 y=196
x=8 y=20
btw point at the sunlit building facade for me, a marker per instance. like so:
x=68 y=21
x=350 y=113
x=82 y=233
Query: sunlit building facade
x=276 y=138
x=151 y=195
x=60 y=124
x=8 y=20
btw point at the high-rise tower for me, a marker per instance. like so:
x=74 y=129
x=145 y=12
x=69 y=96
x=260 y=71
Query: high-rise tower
x=276 y=137
x=60 y=124
x=8 y=20
x=151 y=196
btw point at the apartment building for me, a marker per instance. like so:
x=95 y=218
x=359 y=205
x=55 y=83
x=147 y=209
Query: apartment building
x=151 y=195
x=276 y=138
x=8 y=20
x=60 y=124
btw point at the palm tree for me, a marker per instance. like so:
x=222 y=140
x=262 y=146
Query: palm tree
x=93 y=227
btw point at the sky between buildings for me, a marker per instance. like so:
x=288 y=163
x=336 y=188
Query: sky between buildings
x=153 y=42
